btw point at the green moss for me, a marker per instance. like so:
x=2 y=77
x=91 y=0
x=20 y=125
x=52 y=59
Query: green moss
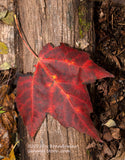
x=81 y=33
x=8 y=19
x=88 y=153
x=84 y=26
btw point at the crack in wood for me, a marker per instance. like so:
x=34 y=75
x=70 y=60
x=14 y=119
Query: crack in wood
x=68 y=144
x=48 y=137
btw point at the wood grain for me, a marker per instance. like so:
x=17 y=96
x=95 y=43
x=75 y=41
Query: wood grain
x=49 y=21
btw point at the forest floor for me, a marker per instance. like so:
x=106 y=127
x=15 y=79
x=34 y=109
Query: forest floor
x=108 y=98
x=109 y=101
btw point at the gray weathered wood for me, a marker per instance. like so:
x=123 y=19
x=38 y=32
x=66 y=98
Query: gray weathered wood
x=7 y=36
x=50 y=21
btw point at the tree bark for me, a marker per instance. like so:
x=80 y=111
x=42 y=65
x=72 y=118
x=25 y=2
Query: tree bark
x=50 y=21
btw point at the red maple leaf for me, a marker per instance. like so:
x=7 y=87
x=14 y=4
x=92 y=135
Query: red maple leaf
x=57 y=88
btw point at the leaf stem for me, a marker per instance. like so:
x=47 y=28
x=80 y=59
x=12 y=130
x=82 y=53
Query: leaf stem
x=27 y=46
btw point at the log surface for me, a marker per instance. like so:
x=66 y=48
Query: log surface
x=50 y=21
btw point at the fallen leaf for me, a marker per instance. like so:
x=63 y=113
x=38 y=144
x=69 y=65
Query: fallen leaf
x=103 y=88
x=115 y=133
x=122 y=123
x=3 y=48
x=58 y=88
x=1 y=157
x=9 y=100
x=114 y=59
x=5 y=66
x=4 y=140
x=91 y=145
x=113 y=147
x=2 y=112
x=114 y=110
x=9 y=18
x=82 y=43
x=120 y=152
x=7 y=119
x=105 y=152
x=110 y=123
x=107 y=136
x=122 y=2
x=121 y=157
x=12 y=154
x=115 y=100
x=3 y=13
x=3 y=92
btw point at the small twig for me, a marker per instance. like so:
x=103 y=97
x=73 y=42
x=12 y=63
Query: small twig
x=121 y=52
x=122 y=24
x=112 y=21
x=9 y=76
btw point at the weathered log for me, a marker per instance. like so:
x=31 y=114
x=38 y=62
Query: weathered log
x=7 y=37
x=51 y=21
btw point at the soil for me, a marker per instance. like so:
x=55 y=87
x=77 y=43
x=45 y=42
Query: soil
x=109 y=101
